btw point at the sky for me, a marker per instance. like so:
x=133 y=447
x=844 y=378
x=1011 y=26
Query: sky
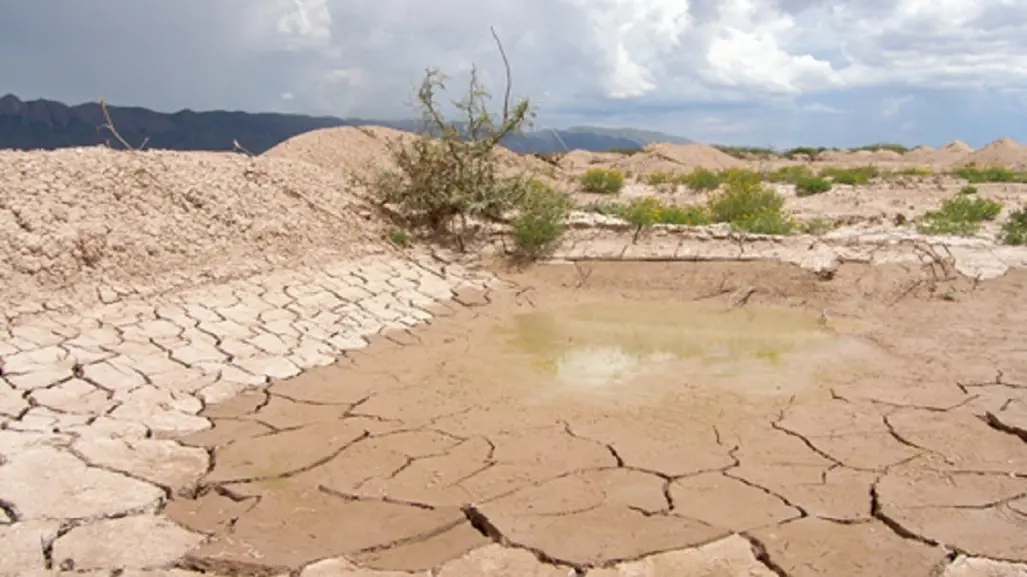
x=746 y=72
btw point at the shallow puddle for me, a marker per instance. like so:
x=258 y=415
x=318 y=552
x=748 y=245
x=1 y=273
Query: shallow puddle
x=639 y=349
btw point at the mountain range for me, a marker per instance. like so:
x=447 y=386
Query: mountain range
x=47 y=124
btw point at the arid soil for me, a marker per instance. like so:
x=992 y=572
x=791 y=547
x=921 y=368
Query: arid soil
x=884 y=435
x=214 y=364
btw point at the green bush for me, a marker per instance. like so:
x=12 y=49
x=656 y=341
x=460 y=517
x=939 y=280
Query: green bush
x=659 y=178
x=1014 y=230
x=976 y=174
x=815 y=226
x=877 y=146
x=688 y=215
x=811 y=185
x=809 y=152
x=700 y=179
x=642 y=212
x=748 y=205
x=451 y=173
x=853 y=176
x=960 y=215
x=400 y=237
x=602 y=180
x=542 y=219
x=790 y=174
x=968 y=189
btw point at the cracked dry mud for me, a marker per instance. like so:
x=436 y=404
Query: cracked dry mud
x=601 y=419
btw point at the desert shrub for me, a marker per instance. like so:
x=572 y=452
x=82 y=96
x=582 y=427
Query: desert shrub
x=400 y=237
x=968 y=189
x=748 y=205
x=854 y=176
x=642 y=212
x=960 y=215
x=688 y=215
x=877 y=146
x=700 y=179
x=661 y=178
x=909 y=171
x=1014 y=230
x=604 y=208
x=744 y=152
x=790 y=174
x=816 y=226
x=541 y=220
x=602 y=180
x=452 y=174
x=977 y=174
x=811 y=185
x=809 y=152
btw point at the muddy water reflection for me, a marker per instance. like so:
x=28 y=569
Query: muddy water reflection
x=661 y=347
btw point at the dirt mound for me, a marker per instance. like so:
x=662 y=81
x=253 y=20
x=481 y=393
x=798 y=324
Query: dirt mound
x=359 y=150
x=957 y=146
x=1002 y=152
x=353 y=149
x=663 y=157
x=75 y=218
x=922 y=153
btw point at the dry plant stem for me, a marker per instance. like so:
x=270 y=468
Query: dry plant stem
x=509 y=76
x=109 y=125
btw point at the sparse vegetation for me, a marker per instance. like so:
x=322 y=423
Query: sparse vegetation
x=908 y=171
x=960 y=215
x=854 y=176
x=747 y=205
x=541 y=220
x=451 y=176
x=968 y=189
x=642 y=213
x=977 y=174
x=626 y=151
x=790 y=174
x=701 y=179
x=810 y=185
x=746 y=152
x=400 y=237
x=1014 y=230
x=602 y=180
x=808 y=152
x=815 y=226
x=878 y=146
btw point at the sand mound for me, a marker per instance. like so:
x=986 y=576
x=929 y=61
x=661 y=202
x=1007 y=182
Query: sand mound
x=660 y=156
x=1002 y=152
x=359 y=150
x=957 y=146
x=577 y=161
x=346 y=148
x=76 y=218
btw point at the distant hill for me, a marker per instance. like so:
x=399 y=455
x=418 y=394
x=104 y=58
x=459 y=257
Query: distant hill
x=46 y=124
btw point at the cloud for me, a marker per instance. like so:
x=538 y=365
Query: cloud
x=772 y=69
x=893 y=104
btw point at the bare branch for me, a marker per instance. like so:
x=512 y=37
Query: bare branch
x=241 y=148
x=509 y=75
x=110 y=128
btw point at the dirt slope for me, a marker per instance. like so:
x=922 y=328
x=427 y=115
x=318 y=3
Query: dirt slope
x=74 y=218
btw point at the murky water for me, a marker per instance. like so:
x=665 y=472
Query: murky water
x=652 y=348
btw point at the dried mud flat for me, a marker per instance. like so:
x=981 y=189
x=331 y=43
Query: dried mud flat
x=886 y=437
x=303 y=400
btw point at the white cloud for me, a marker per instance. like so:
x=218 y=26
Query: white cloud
x=893 y=105
x=365 y=57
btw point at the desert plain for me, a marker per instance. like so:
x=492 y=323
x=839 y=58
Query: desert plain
x=217 y=364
